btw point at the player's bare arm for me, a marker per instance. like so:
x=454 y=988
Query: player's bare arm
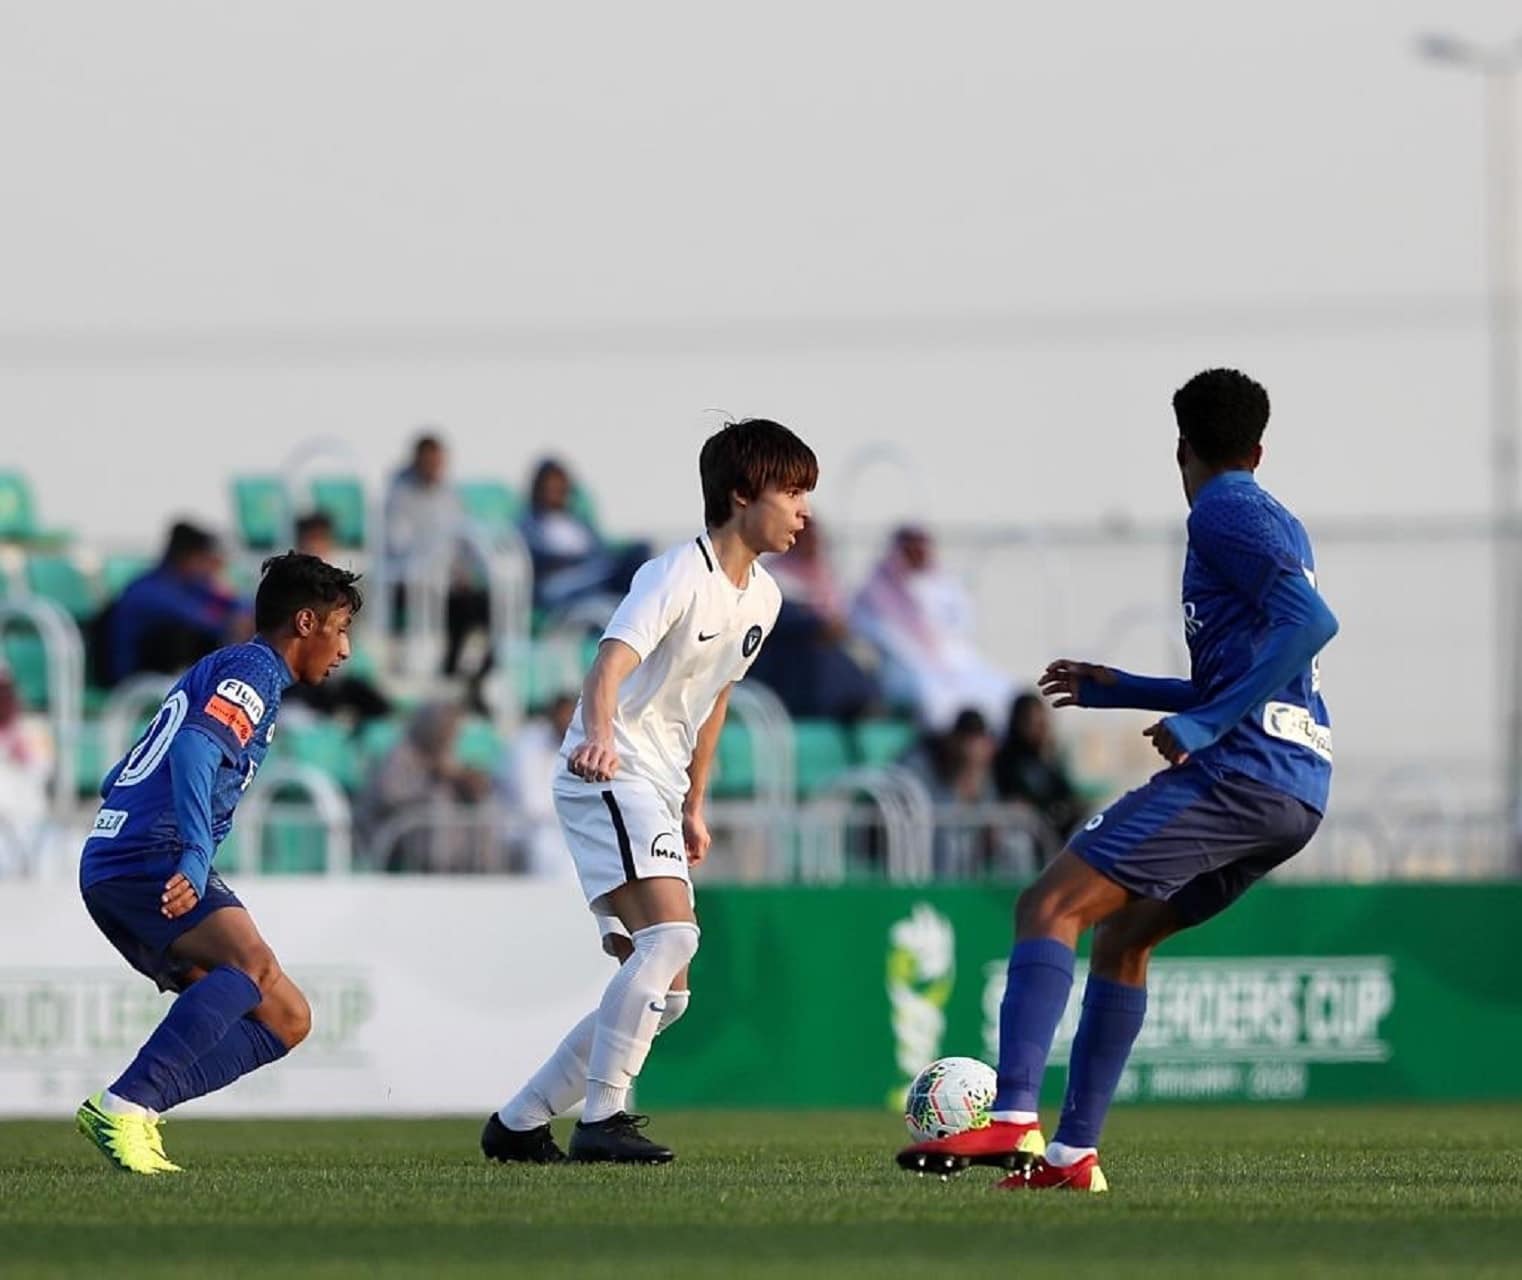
x=596 y=759
x=695 y=835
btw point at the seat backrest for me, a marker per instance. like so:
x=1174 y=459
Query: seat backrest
x=342 y=500
x=491 y=503
x=58 y=577
x=18 y=518
x=263 y=511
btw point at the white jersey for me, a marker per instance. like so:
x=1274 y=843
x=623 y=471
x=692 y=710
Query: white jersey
x=695 y=633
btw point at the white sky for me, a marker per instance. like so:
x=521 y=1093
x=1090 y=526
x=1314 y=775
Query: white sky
x=991 y=237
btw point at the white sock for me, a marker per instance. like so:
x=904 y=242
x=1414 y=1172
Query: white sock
x=1014 y=1117
x=1060 y=1156
x=631 y=1011
x=113 y=1105
x=557 y=1086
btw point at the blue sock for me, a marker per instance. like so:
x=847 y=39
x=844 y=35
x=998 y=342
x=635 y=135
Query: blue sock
x=1112 y=1017
x=247 y=1046
x=1035 y=995
x=194 y=1025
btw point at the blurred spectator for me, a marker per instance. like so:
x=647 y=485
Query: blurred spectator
x=806 y=660
x=176 y=613
x=421 y=809
x=26 y=764
x=315 y=537
x=919 y=618
x=571 y=561
x=1029 y=769
x=424 y=518
x=524 y=783
x=350 y=696
x=957 y=769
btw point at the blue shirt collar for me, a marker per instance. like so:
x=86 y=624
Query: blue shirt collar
x=1225 y=480
x=287 y=677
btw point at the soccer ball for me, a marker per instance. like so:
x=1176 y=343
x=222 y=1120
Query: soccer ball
x=949 y=1096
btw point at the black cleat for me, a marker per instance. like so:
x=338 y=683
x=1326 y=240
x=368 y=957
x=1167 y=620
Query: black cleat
x=617 y=1140
x=527 y=1146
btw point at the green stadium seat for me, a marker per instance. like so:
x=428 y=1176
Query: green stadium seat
x=18 y=519
x=479 y=746
x=59 y=577
x=822 y=752
x=375 y=739
x=90 y=764
x=325 y=745
x=877 y=742
x=119 y=569
x=294 y=841
x=28 y=659
x=263 y=511
x=582 y=505
x=491 y=503
x=734 y=765
x=342 y=500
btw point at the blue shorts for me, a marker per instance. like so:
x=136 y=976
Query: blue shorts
x=1196 y=840
x=126 y=910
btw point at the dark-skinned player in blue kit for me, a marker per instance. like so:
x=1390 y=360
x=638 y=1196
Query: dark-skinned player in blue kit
x=146 y=871
x=1249 y=750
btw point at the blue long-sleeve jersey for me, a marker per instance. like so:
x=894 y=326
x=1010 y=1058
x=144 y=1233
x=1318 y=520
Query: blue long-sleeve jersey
x=169 y=802
x=1254 y=623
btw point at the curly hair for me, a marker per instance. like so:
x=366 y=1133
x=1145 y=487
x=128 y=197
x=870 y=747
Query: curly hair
x=1222 y=414
x=296 y=581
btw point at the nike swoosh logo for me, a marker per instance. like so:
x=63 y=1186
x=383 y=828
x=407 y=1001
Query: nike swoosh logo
x=709 y=636
x=657 y=1008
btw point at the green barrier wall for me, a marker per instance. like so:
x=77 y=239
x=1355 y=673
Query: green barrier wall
x=835 y=997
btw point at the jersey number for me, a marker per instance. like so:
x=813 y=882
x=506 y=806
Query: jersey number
x=153 y=746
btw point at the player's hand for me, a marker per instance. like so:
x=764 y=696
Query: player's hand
x=1167 y=745
x=594 y=761
x=1063 y=679
x=179 y=897
x=695 y=836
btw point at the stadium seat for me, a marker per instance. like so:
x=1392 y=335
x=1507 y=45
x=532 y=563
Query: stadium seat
x=119 y=569
x=59 y=577
x=90 y=764
x=734 y=766
x=263 y=511
x=479 y=746
x=823 y=753
x=325 y=745
x=876 y=742
x=17 y=516
x=28 y=659
x=342 y=500
x=491 y=503
x=375 y=739
x=294 y=842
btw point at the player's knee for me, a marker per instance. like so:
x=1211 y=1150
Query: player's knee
x=260 y=965
x=1119 y=955
x=674 y=943
x=294 y=1016
x=1037 y=911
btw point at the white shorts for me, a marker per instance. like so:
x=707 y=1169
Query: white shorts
x=619 y=831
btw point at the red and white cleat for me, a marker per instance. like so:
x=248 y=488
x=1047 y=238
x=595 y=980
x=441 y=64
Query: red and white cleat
x=1082 y=1175
x=1000 y=1143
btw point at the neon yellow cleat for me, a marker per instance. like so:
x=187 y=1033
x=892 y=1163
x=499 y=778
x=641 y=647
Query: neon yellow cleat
x=131 y=1143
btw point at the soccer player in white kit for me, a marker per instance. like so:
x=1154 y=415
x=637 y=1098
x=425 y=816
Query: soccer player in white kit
x=638 y=753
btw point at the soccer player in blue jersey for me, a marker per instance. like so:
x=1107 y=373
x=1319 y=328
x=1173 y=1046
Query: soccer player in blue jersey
x=1249 y=750
x=146 y=871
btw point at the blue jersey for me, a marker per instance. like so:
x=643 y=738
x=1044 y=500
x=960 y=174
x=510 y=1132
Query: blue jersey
x=232 y=697
x=1240 y=541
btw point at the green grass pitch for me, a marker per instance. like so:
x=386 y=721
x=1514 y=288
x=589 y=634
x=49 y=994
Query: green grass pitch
x=1207 y=1191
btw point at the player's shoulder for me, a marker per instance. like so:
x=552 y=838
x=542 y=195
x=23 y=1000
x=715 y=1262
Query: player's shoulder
x=250 y=672
x=769 y=593
x=688 y=563
x=1238 y=511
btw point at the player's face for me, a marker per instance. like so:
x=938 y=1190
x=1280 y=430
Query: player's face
x=325 y=647
x=774 y=519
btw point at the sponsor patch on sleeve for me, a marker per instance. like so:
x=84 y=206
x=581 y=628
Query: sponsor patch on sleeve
x=245 y=696
x=232 y=715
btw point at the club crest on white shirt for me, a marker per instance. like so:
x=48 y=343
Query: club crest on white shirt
x=752 y=641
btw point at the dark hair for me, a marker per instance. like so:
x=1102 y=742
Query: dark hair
x=186 y=539
x=1221 y=413
x=546 y=468
x=425 y=441
x=313 y=522
x=747 y=457
x=296 y=581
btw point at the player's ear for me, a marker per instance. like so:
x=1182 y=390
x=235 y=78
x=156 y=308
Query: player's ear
x=305 y=622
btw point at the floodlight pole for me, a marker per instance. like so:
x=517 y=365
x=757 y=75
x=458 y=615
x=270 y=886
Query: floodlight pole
x=1501 y=66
